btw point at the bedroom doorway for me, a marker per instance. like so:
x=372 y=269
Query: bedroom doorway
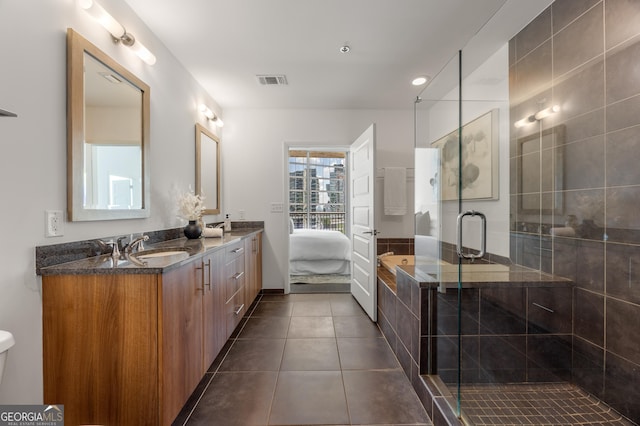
x=319 y=246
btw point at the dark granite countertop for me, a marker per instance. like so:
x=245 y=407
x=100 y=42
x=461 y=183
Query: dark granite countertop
x=186 y=252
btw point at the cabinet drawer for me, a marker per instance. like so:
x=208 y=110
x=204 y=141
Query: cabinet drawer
x=234 y=251
x=235 y=309
x=235 y=277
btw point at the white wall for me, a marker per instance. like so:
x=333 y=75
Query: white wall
x=252 y=154
x=33 y=157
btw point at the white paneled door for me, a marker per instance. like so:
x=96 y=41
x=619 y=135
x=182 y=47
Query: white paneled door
x=363 y=233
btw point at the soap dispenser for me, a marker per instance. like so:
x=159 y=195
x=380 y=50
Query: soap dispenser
x=227 y=223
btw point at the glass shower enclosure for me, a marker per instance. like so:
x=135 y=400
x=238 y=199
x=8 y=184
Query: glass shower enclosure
x=498 y=226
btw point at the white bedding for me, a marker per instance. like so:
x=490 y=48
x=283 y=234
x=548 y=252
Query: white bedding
x=314 y=251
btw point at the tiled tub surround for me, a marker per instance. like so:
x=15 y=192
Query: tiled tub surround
x=516 y=328
x=395 y=245
x=584 y=56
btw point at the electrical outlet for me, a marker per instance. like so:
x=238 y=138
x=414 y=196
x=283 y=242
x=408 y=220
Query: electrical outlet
x=277 y=207
x=54 y=223
x=241 y=214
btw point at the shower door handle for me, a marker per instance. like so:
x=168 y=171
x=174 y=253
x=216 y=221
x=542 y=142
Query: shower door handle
x=483 y=241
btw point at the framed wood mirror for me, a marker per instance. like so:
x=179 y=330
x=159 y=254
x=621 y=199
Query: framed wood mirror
x=208 y=169
x=107 y=136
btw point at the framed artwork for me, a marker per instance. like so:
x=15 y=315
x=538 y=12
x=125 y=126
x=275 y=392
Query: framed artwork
x=478 y=157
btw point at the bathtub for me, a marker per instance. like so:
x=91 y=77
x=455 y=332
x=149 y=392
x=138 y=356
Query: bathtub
x=389 y=262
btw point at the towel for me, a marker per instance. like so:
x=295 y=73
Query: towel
x=395 y=191
x=212 y=232
x=563 y=231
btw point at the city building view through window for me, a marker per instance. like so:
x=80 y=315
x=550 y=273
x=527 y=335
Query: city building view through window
x=317 y=190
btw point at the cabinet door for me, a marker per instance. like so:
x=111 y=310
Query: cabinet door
x=182 y=290
x=100 y=348
x=213 y=307
x=257 y=263
x=253 y=267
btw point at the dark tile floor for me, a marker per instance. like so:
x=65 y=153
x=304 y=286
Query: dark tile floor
x=305 y=359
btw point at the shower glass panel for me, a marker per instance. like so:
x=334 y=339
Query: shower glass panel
x=479 y=327
x=526 y=221
x=437 y=120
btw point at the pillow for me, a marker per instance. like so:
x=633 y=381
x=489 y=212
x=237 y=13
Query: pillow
x=423 y=223
x=291 y=226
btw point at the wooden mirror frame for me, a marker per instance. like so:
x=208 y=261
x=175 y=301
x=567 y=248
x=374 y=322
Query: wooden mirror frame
x=77 y=46
x=203 y=165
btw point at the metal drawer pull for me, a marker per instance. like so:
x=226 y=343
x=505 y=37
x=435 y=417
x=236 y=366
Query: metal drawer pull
x=238 y=250
x=238 y=275
x=208 y=265
x=542 y=307
x=239 y=309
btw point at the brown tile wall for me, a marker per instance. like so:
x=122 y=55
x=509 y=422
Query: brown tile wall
x=583 y=55
x=396 y=245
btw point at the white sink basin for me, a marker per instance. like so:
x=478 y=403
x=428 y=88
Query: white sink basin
x=160 y=257
x=144 y=255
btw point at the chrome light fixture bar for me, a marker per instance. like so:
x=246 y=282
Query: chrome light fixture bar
x=544 y=113
x=117 y=31
x=211 y=115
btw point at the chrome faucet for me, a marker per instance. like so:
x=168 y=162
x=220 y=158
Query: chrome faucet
x=105 y=245
x=136 y=244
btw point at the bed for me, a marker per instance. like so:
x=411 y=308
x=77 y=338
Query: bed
x=317 y=252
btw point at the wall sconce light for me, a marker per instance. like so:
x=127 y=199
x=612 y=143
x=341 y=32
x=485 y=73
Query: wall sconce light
x=210 y=115
x=544 y=113
x=118 y=32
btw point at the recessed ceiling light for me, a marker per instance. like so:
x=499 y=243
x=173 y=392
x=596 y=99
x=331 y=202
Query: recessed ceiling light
x=419 y=81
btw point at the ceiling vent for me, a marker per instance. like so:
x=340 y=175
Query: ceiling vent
x=272 y=80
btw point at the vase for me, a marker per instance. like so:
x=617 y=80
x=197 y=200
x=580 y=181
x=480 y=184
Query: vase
x=192 y=230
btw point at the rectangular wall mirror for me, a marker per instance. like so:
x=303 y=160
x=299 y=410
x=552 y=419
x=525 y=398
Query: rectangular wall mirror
x=208 y=169
x=107 y=136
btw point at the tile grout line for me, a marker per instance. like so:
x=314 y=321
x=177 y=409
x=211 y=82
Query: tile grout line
x=344 y=388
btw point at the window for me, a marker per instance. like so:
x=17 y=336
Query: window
x=317 y=189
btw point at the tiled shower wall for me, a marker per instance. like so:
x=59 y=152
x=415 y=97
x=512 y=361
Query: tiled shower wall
x=579 y=170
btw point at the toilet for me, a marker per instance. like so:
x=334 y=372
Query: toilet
x=6 y=342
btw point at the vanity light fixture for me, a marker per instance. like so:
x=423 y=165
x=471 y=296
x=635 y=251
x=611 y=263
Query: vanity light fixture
x=211 y=115
x=544 y=113
x=117 y=31
x=547 y=112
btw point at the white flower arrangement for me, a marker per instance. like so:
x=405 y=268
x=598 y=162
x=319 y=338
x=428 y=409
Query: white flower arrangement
x=190 y=205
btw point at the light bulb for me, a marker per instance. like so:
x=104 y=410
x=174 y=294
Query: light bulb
x=547 y=112
x=143 y=53
x=103 y=17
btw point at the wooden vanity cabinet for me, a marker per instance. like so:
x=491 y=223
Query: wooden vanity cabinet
x=130 y=349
